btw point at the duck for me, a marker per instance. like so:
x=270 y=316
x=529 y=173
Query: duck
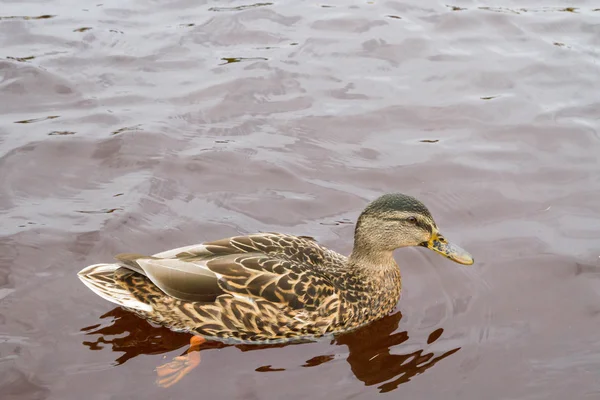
x=267 y=288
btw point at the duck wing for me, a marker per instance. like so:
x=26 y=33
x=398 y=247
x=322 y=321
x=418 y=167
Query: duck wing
x=278 y=268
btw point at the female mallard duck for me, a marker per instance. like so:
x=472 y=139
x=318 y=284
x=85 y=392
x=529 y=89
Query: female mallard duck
x=271 y=287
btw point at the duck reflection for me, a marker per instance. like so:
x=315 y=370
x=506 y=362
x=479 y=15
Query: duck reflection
x=369 y=349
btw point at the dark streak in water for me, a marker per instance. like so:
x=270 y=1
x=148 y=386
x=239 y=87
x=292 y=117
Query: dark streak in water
x=230 y=60
x=83 y=29
x=488 y=97
x=499 y=9
x=551 y=9
x=30 y=121
x=393 y=16
x=27 y=18
x=127 y=129
x=429 y=140
x=28 y=223
x=105 y=211
x=21 y=59
x=61 y=133
x=267 y=368
x=239 y=8
x=343 y=221
x=520 y=10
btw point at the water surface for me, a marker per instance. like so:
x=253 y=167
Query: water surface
x=147 y=125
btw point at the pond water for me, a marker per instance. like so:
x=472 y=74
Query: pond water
x=140 y=126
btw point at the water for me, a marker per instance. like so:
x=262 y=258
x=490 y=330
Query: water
x=148 y=125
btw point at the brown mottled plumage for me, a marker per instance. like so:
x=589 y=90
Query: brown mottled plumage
x=270 y=287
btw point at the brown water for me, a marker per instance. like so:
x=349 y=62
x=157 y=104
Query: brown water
x=147 y=125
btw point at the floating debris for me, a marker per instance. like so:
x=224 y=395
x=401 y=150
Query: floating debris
x=393 y=16
x=429 y=140
x=61 y=133
x=104 y=211
x=83 y=29
x=127 y=129
x=267 y=368
x=27 y=18
x=239 y=8
x=30 y=121
x=230 y=60
x=343 y=221
x=500 y=9
x=550 y=9
x=21 y=59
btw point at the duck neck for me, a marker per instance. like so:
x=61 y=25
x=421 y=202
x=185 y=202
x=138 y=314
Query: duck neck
x=371 y=259
x=368 y=253
x=379 y=276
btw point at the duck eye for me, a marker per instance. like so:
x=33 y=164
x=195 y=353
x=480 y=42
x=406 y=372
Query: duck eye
x=412 y=220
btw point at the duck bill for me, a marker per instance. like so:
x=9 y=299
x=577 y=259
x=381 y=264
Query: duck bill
x=449 y=250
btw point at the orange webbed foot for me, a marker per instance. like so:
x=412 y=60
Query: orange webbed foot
x=172 y=372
